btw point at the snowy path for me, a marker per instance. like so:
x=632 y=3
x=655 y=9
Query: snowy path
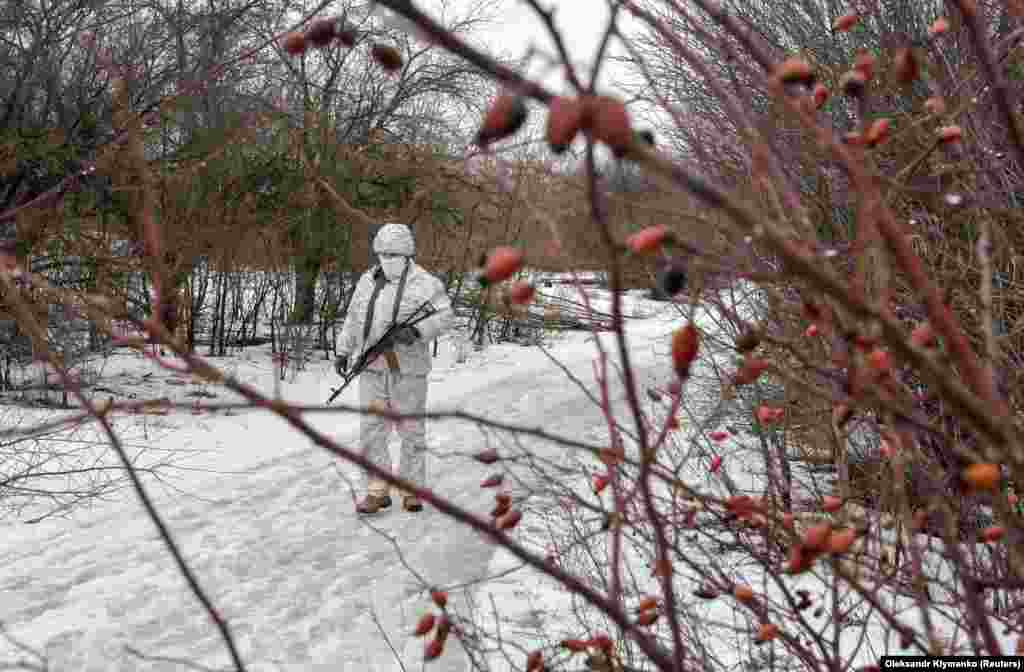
x=278 y=548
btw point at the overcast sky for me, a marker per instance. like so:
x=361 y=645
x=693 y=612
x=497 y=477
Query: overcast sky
x=515 y=27
x=582 y=23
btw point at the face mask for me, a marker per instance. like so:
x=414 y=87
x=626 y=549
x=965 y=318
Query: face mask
x=392 y=267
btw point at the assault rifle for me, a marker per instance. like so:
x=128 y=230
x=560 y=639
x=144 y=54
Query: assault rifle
x=425 y=310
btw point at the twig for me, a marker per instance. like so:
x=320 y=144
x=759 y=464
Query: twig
x=387 y=639
x=100 y=414
x=172 y=660
x=1003 y=93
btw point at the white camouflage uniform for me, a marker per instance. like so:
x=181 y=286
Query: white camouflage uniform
x=404 y=391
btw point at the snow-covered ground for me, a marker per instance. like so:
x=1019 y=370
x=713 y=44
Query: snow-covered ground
x=267 y=521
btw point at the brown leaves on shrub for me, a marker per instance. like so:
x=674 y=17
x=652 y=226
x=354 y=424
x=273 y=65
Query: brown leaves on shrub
x=504 y=118
x=685 y=342
x=534 y=661
x=439 y=597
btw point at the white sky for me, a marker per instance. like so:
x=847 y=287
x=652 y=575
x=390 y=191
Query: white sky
x=515 y=27
x=582 y=23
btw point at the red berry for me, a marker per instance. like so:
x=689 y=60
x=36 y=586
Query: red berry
x=609 y=123
x=295 y=44
x=504 y=117
x=387 y=57
x=492 y=481
x=648 y=240
x=502 y=263
x=845 y=23
x=321 y=32
x=685 y=342
x=565 y=119
x=425 y=625
x=521 y=293
x=794 y=70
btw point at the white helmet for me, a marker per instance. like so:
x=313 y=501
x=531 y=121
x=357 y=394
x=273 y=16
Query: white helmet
x=394 y=239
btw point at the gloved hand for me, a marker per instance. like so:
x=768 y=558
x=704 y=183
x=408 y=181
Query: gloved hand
x=402 y=336
x=341 y=364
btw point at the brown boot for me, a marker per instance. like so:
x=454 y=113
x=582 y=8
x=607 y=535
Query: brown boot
x=373 y=504
x=411 y=503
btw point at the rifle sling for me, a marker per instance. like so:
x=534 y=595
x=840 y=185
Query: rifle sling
x=380 y=282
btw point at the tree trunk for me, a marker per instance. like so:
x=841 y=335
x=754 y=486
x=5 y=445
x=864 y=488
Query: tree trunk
x=305 y=292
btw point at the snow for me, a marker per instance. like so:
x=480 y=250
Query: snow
x=266 y=520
